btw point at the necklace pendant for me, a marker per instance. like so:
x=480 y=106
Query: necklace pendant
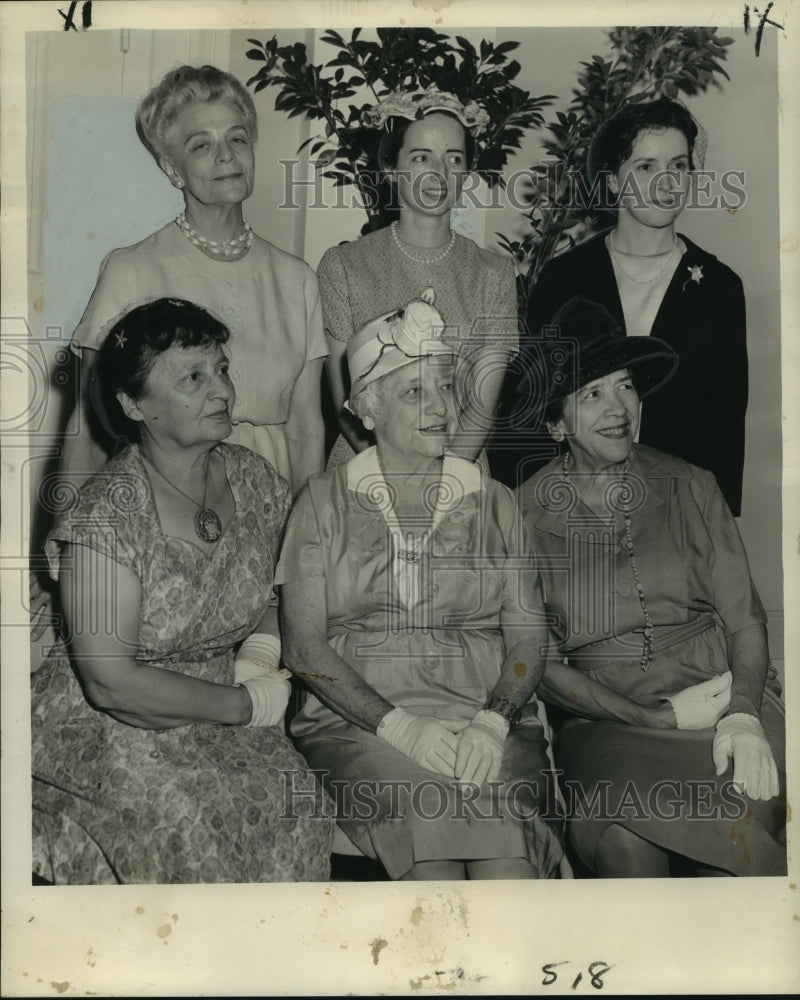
x=207 y=524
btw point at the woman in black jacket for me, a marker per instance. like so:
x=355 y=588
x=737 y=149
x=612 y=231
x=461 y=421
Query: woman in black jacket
x=657 y=282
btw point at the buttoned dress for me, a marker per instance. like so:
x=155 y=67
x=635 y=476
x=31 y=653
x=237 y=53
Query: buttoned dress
x=696 y=583
x=418 y=616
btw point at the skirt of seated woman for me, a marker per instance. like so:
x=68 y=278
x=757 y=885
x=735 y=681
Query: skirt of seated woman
x=662 y=785
x=400 y=813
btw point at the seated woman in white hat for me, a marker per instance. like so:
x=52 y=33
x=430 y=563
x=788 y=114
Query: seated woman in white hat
x=412 y=610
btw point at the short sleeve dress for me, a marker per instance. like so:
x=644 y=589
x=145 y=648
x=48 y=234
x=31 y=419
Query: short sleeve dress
x=268 y=299
x=424 y=630
x=659 y=783
x=114 y=803
x=475 y=293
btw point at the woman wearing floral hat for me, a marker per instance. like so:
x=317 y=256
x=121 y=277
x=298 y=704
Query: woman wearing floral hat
x=411 y=608
x=657 y=282
x=425 y=153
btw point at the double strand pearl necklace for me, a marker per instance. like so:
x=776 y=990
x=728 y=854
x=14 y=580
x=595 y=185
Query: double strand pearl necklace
x=667 y=255
x=433 y=259
x=227 y=248
x=647 y=636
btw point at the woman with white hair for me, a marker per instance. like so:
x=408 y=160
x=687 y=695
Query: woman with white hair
x=200 y=126
x=411 y=608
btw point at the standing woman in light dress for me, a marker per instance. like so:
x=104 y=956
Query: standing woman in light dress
x=425 y=153
x=656 y=281
x=200 y=126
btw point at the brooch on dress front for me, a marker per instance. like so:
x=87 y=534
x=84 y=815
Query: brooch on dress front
x=695 y=274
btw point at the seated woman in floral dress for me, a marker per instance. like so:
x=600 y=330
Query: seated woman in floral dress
x=158 y=746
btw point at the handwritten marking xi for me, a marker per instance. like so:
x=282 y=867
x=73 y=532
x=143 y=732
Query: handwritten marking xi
x=86 y=15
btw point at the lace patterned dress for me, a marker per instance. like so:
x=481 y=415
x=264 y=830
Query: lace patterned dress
x=114 y=803
x=475 y=293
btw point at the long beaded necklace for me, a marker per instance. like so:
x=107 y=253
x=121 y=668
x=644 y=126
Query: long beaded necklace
x=641 y=281
x=647 y=632
x=227 y=248
x=433 y=259
x=207 y=524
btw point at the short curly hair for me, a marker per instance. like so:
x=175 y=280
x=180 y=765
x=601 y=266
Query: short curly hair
x=614 y=140
x=158 y=109
x=127 y=355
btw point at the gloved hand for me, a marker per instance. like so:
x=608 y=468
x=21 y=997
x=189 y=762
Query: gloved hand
x=256 y=669
x=480 y=747
x=740 y=736
x=423 y=739
x=259 y=653
x=702 y=705
x=269 y=693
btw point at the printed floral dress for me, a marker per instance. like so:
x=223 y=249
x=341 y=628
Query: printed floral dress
x=114 y=803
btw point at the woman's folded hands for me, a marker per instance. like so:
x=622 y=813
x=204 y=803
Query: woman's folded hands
x=421 y=738
x=480 y=748
x=475 y=754
x=702 y=705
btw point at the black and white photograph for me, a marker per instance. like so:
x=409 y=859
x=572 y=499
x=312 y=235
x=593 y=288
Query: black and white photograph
x=400 y=498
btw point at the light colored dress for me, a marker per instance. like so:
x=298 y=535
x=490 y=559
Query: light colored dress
x=696 y=581
x=268 y=299
x=475 y=293
x=114 y=803
x=426 y=635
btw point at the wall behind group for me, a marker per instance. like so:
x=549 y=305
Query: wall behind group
x=81 y=114
x=741 y=119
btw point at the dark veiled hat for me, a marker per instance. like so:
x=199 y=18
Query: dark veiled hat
x=584 y=342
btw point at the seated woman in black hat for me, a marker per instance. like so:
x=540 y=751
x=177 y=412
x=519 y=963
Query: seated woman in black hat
x=673 y=744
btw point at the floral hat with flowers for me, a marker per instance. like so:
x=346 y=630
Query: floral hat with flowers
x=396 y=339
x=413 y=106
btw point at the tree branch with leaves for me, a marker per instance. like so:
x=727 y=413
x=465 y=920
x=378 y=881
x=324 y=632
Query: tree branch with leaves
x=644 y=64
x=363 y=72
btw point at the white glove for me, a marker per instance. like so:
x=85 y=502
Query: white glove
x=256 y=669
x=423 y=739
x=740 y=736
x=259 y=653
x=480 y=747
x=702 y=705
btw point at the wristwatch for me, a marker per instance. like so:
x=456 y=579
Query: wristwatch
x=510 y=711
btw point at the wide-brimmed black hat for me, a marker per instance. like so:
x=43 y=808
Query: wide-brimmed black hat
x=584 y=342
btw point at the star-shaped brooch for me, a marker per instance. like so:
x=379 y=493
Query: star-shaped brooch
x=121 y=338
x=695 y=274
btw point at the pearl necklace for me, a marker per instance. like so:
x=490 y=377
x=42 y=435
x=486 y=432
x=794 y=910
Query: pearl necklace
x=616 y=254
x=647 y=632
x=207 y=524
x=227 y=248
x=433 y=259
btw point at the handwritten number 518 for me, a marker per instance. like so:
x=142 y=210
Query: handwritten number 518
x=595 y=972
